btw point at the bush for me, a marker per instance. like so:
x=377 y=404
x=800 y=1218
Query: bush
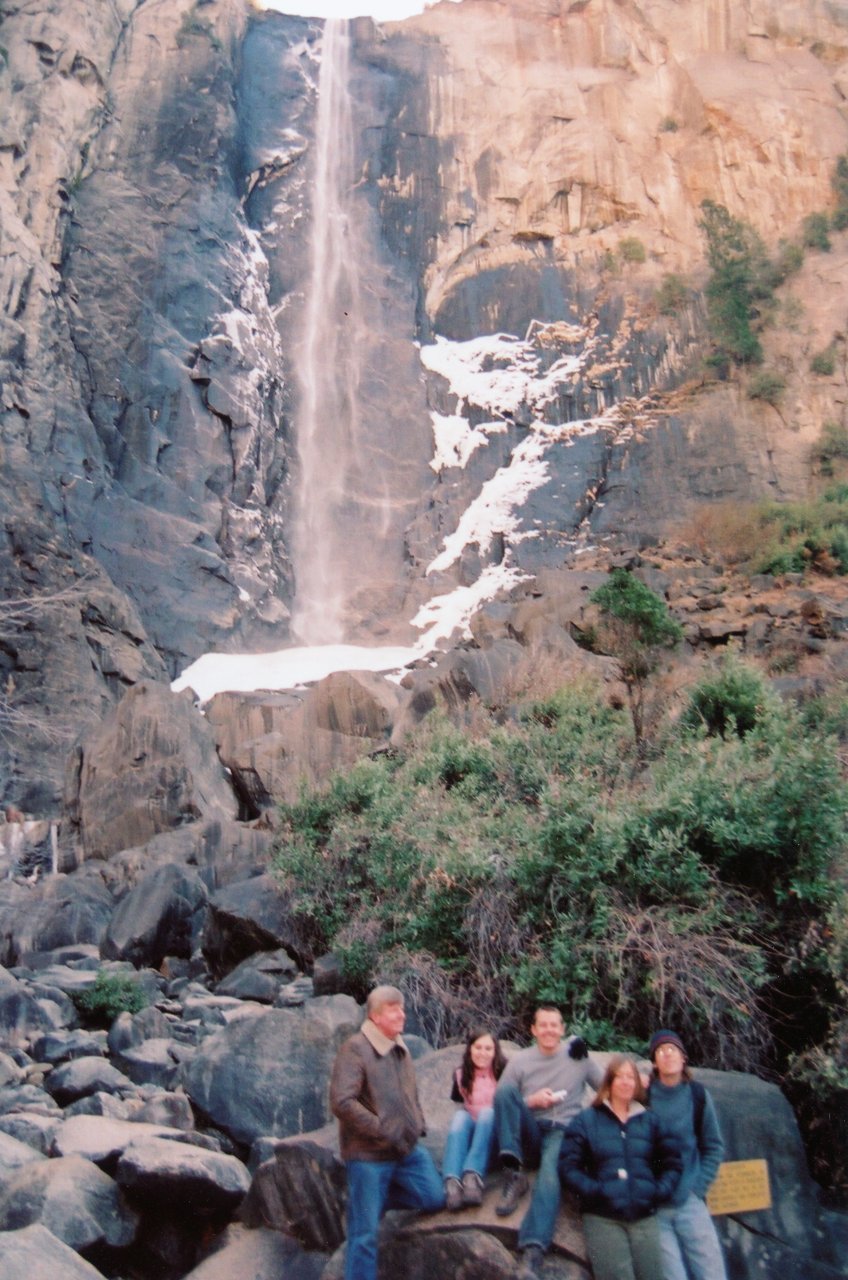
x=110 y=994
x=631 y=249
x=732 y=699
x=672 y=295
x=766 y=385
x=839 y=182
x=741 y=285
x=815 y=229
x=531 y=861
x=824 y=362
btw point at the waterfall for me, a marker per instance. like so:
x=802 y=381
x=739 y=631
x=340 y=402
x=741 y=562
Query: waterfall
x=329 y=365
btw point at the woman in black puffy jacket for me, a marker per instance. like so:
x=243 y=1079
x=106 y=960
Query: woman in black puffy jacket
x=622 y=1167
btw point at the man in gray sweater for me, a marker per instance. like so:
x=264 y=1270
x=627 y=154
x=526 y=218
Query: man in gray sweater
x=539 y=1093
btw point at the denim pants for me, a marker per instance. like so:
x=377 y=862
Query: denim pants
x=690 y=1246
x=535 y=1143
x=623 y=1250
x=470 y=1142
x=376 y=1185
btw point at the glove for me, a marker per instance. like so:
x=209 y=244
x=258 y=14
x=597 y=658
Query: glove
x=578 y=1048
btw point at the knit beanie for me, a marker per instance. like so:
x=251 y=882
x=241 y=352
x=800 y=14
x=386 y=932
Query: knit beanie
x=664 y=1037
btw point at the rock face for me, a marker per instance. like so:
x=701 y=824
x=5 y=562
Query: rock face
x=527 y=168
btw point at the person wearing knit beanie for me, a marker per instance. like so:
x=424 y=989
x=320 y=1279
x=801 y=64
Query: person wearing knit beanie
x=690 y=1245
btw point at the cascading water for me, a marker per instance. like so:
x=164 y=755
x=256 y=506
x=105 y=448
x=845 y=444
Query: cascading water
x=329 y=367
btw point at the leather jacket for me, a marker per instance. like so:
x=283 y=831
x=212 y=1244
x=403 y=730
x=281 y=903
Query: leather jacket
x=374 y=1097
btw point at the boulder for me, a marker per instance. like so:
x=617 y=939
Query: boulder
x=259 y=977
x=250 y=916
x=34 y=1253
x=103 y=1140
x=275 y=742
x=24 y=1015
x=37 y=1131
x=72 y=1198
x=14 y=1154
x=300 y=1192
x=269 y=1075
x=161 y=916
x=84 y=1076
x=150 y=766
x=61 y=1046
x=156 y=1171
x=259 y=1255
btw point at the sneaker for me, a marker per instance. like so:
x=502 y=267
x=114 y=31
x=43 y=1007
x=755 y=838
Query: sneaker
x=472 y=1188
x=515 y=1185
x=532 y=1259
x=453 y=1195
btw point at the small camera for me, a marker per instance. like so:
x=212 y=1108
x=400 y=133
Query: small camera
x=560 y=1094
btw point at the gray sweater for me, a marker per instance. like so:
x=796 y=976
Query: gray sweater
x=531 y=1070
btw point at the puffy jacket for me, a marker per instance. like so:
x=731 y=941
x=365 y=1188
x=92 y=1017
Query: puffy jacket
x=618 y=1169
x=374 y=1097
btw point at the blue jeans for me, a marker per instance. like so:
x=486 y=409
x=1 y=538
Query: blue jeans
x=469 y=1144
x=376 y=1185
x=531 y=1142
x=690 y=1246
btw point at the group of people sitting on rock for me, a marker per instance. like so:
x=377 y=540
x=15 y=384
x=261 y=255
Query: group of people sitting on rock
x=639 y=1159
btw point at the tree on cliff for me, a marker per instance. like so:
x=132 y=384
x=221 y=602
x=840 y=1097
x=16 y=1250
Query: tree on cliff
x=742 y=280
x=636 y=628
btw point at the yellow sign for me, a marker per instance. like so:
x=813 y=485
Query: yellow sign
x=742 y=1186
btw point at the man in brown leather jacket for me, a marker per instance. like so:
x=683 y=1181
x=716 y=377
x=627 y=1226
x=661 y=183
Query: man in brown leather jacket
x=374 y=1097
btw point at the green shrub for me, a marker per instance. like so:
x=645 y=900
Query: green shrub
x=766 y=385
x=839 y=182
x=110 y=994
x=790 y=258
x=731 y=699
x=814 y=232
x=824 y=362
x=740 y=287
x=673 y=294
x=631 y=249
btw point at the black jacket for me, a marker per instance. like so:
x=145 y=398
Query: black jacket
x=619 y=1170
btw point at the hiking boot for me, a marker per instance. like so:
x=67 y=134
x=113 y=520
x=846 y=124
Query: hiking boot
x=532 y=1259
x=453 y=1195
x=472 y=1188
x=514 y=1186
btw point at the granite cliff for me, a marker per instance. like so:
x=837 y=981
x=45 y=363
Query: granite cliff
x=158 y=203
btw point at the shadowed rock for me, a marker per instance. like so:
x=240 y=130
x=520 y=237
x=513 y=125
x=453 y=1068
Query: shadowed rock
x=149 y=766
x=72 y=1198
x=158 y=1171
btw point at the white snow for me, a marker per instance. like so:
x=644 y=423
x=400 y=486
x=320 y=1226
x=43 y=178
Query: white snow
x=380 y=10
x=455 y=439
x=493 y=511
x=284 y=669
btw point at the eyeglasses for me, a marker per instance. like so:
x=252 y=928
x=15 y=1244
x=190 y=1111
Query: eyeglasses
x=668 y=1048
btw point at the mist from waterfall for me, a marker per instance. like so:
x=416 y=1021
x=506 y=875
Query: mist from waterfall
x=329 y=364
